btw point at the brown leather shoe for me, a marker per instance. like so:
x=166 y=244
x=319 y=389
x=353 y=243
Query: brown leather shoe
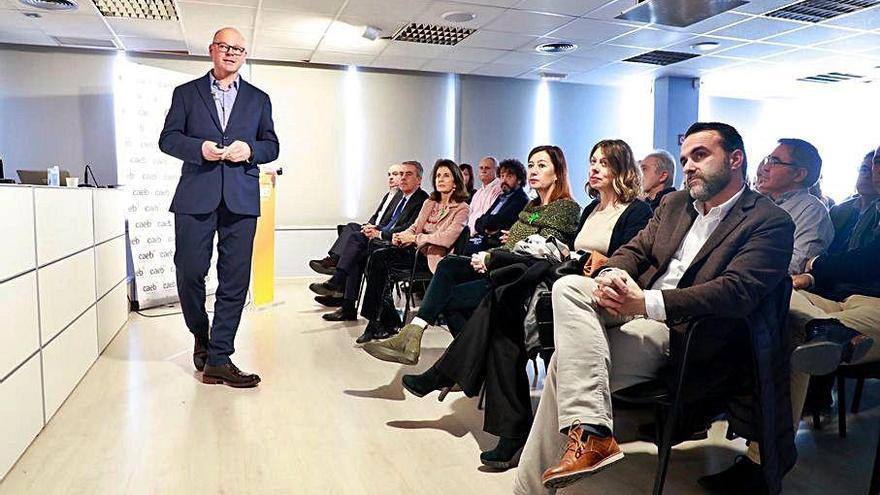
x=200 y=354
x=229 y=374
x=582 y=458
x=326 y=266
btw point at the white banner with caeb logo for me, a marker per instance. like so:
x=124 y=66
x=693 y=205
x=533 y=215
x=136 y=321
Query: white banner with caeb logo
x=142 y=97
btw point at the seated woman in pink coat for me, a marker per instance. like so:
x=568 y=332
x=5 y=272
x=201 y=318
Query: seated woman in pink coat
x=442 y=218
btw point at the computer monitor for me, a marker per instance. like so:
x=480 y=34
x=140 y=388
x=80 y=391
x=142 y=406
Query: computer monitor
x=40 y=177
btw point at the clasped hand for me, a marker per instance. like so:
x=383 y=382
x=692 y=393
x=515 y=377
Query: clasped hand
x=619 y=294
x=403 y=238
x=238 y=151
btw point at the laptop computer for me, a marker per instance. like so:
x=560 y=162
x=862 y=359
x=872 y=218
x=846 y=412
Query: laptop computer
x=40 y=177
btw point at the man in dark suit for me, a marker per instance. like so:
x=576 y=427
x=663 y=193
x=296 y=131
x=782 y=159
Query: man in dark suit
x=327 y=265
x=716 y=249
x=221 y=127
x=503 y=212
x=399 y=215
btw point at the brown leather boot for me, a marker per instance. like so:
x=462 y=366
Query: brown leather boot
x=229 y=374
x=582 y=458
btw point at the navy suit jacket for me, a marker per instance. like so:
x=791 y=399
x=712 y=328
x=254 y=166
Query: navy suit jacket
x=191 y=120
x=408 y=215
x=505 y=217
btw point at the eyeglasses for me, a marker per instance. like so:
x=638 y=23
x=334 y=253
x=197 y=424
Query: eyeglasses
x=771 y=161
x=230 y=49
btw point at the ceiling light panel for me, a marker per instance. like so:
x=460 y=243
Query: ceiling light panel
x=158 y=10
x=659 y=57
x=821 y=10
x=432 y=34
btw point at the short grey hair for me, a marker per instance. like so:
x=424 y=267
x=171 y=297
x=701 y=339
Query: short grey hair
x=665 y=161
x=419 y=170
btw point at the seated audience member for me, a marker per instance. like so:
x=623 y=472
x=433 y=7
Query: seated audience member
x=503 y=212
x=845 y=215
x=347 y=277
x=460 y=283
x=487 y=193
x=327 y=265
x=658 y=175
x=785 y=175
x=467 y=172
x=836 y=307
x=716 y=249
x=443 y=217
x=491 y=349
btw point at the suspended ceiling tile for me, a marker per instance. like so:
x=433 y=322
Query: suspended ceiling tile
x=494 y=3
x=756 y=29
x=497 y=40
x=342 y=58
x=719 y=21
x=345 y=38
x=613 y=9
x=380 y=9
x=762 y=6
x=688 y=46
x=609 y=53
x=288 y=39
x=651 y=38
x=810 y=35
x=867 y=19
x=484 y=14
x=71 y=24
x=477 y=55
x=450 y=66
x=143 y=28
x=566 y=7
x=574 y=64
x=208 y=16
x=228 y=3
x=755 y=50
x=521 y=22
x=411 y=49
x=26 y=37
x=330 y=7
x=296 y=22
x=281 y=53
x=592 y=31
x=857 y=43
x=151 y=44
x=500 y=70
x=523 y=58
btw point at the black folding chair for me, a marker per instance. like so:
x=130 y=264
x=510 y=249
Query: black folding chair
x=424 y=276
x=669 y=401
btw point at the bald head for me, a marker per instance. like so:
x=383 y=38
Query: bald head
x=228 y=51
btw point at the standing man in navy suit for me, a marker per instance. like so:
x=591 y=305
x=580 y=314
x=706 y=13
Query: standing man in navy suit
x=221 y=127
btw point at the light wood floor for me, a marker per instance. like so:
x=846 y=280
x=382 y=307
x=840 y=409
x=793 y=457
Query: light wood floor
x=329 y=419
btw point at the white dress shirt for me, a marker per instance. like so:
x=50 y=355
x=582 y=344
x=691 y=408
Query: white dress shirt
x=699 y=232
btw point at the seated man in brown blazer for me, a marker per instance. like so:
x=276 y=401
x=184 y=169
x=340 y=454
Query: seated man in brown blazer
x=717 y=249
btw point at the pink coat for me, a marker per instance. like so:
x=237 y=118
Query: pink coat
x=436 y=232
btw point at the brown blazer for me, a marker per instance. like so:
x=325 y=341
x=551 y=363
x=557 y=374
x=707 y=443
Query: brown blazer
x=734 y=275
x=743 y=260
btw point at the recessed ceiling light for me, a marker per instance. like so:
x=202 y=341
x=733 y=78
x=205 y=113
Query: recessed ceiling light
x=458 y=16
x=371 y=33
x=705 y=46
x=552 y=76
x=558 y=47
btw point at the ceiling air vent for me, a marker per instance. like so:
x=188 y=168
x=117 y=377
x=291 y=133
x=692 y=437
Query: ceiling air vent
x=51 y=4
x=820 y=10
x=432 y=34
x=831 y=77
x=659 y=57
x=84 y=42
x=159 y=10
x=558 y=47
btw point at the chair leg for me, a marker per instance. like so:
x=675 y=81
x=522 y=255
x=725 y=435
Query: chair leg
x=481 y=405
x=857 y=395
x=817 y=420
x=874 y=488
x=535 y=368
x=664 y=449
x=841 y=406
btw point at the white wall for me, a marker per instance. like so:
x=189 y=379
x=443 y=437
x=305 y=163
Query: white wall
x=56 y=108
x=840 y=125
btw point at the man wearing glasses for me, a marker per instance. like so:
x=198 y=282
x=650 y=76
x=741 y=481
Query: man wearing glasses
x=785 y=175
x=221 y=127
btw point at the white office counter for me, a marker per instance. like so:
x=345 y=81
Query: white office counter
x=63 y=297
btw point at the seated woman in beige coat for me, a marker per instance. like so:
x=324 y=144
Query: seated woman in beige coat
x=441 y=220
